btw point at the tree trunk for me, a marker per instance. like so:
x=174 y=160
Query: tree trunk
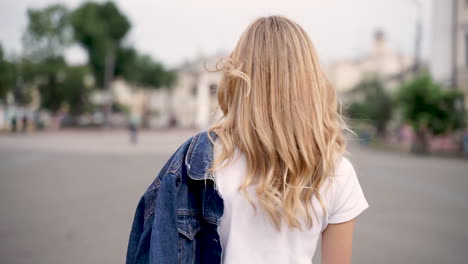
x=145 y=116
x=420 y=143
x=108 y=77
x=381 y=131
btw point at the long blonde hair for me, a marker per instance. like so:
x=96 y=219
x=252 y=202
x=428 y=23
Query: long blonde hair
x=280 y=110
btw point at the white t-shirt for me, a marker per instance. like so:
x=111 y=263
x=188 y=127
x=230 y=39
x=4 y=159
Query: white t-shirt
x=247 y=236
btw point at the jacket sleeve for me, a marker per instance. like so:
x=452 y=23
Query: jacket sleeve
x=164 y=234
x=138 y=246
x=136 y=232
x=140 y=236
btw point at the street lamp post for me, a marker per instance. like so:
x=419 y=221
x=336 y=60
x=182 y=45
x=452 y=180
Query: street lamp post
x=418 y=37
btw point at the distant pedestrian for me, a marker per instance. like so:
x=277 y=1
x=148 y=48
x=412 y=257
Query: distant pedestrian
x=465 y=142
x=133 y=129
x=14 y=124
x=266 y=181
x=24 y=121
x=365 y=137
x=172 y=121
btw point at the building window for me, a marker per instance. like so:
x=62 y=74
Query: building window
x=213 y=88
x=194 y=89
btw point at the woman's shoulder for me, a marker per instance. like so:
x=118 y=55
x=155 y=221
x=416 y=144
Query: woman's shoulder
x=346 y=198
x=345 y=175
x=344 y=168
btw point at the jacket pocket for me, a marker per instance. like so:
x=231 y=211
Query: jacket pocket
x=188 y=227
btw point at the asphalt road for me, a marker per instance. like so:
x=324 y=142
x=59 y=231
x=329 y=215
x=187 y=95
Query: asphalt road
x=69 y=197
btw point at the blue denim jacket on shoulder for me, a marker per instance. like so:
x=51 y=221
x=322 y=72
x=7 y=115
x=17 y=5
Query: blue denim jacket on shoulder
x=177 y=218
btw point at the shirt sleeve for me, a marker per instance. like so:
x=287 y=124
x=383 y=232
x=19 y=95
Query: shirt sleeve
x=348 y=200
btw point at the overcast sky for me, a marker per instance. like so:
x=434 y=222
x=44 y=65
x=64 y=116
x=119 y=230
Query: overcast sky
x=175 y=30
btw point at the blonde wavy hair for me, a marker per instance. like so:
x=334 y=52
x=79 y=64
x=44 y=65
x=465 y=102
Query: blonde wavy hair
x=280 y=110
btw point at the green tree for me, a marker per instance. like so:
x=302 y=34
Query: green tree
x=49 y=76
x=61 y=85
x=142 y=69
x=7 y=75
x=48 y=32
x=100 y=28
x=24 y=74
x=47 y=35
x=429 y=109
x=74 y=90
x=375 y=105
x=15 y=78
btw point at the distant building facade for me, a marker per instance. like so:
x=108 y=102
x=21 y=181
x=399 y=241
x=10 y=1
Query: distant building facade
x=449 y=54
x=193 y=99
x=191 y=103
x=383 y=63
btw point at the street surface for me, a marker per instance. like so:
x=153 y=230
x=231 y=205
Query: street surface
x=69 y=197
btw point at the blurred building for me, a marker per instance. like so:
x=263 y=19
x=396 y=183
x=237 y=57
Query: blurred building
x=387 y=65
x=449 y=54
x=193 y=99
x=149 y=105
x=191 y=103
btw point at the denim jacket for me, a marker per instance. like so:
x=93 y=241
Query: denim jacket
x=177 y=217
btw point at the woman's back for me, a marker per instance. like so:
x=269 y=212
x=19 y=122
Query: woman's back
x=247 y=235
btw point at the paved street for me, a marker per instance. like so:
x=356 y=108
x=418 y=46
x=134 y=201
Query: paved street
x=69 y=197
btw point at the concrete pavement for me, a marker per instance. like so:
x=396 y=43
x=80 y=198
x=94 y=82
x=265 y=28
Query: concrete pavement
x=69 y=197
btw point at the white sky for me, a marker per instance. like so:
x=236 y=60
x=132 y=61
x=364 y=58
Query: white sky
x=175 y=30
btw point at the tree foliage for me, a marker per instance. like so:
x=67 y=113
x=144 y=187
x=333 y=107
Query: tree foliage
x=73 y=90
x=376 y=105
x=7 y=75
x=425 y=104
x=16 y=75
x=48 y=32
x=47 y=35
x=142 y=69
x=100 y=28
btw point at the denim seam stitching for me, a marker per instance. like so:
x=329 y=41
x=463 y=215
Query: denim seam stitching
x=188 y=159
